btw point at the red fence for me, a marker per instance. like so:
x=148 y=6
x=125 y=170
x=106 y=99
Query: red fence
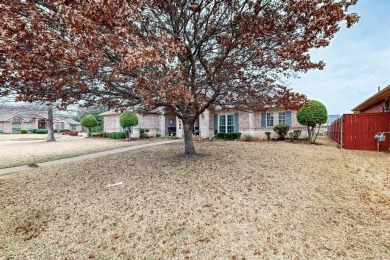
x=357 y=131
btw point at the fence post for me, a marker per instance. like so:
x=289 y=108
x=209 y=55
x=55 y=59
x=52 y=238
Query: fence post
x=341 y=132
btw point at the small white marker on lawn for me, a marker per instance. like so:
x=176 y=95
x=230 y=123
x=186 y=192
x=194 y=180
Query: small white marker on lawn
x=114 y=184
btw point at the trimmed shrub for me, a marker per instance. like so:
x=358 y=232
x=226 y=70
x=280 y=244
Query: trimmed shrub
x=89 y=121
x=235 y=136
x=112 y=135
x=34 y=131
x=120 y=135
x=220 y=136
x=23 y=131
x=96 y=129
x=228 y=136
x=41 y=131
x=128 y=120
x=281 y=130
x=143 y=133
x=64 y=130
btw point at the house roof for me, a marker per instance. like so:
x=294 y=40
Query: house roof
x=72 y=122
x=109 y=113
x=380 y=96
x=5 y=116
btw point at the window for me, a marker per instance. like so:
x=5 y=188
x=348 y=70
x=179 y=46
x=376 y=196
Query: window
x=270 y=120
x=60 y=126
x=282 y=118
x=16 y=126
x=226 y=123
x=74 y=127
x=267 y=119
x=285 y=118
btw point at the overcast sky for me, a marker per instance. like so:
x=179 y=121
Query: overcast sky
x=357 y=61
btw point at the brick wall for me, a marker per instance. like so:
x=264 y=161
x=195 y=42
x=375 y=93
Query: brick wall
x=377 y=108
x=111 y=123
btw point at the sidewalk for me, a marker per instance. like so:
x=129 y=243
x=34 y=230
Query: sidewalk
x=86 y=156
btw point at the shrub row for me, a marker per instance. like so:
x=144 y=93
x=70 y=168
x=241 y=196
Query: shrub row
x=143 y=133
x=23 y=131
x=34 y=131
x=228 y=136
x=40 y=131
x=114 y=135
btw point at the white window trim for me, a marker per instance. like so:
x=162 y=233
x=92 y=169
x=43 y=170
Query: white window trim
x=266 y=119
x=285 y=121
x=226 y=122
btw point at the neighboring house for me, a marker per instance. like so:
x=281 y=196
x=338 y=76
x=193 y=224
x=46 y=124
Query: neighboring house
x=11 y=122
x=210 y=123
x=378 y=102
x=13 y=119
x=67 y=123
x=368 y=128
x=154 y=122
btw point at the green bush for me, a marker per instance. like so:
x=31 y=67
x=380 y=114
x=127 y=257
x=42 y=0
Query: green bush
x=89 y=121
x=143 y=133
x=120 y=135
x=64 y=130
x=228 y=136
x=34 y=131
x=128 y=120
x=112 y=135
x=220 y=136
x=23 y=131
x=96 y=129
x=281 y=130
x=235 y=136
x=41 y=131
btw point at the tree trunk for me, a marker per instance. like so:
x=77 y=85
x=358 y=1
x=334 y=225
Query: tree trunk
x=189 y=148
x=318 y=131
x=50 y=122
x=309 y=133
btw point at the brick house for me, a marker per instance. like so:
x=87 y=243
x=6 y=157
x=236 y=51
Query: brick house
x=376 y=103
x=222 y=120
x=14 y=119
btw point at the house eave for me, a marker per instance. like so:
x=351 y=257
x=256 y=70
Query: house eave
x=381 y=95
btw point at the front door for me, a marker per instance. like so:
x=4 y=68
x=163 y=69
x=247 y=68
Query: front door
x=42 y=124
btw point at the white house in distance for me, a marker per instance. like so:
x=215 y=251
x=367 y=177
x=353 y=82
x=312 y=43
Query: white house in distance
x=223 y=120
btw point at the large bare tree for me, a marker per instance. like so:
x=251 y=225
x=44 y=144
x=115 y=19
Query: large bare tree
x=184 y=56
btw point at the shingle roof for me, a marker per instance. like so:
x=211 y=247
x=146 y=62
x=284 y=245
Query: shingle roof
x=381 y=95
x=109 y=113
x=72 y=122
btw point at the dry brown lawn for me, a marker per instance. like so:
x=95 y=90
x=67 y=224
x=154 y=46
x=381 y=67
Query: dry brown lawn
x=16 y=150
x=237 y=200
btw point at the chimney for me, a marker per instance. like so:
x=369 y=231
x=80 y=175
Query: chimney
x=379 y=89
